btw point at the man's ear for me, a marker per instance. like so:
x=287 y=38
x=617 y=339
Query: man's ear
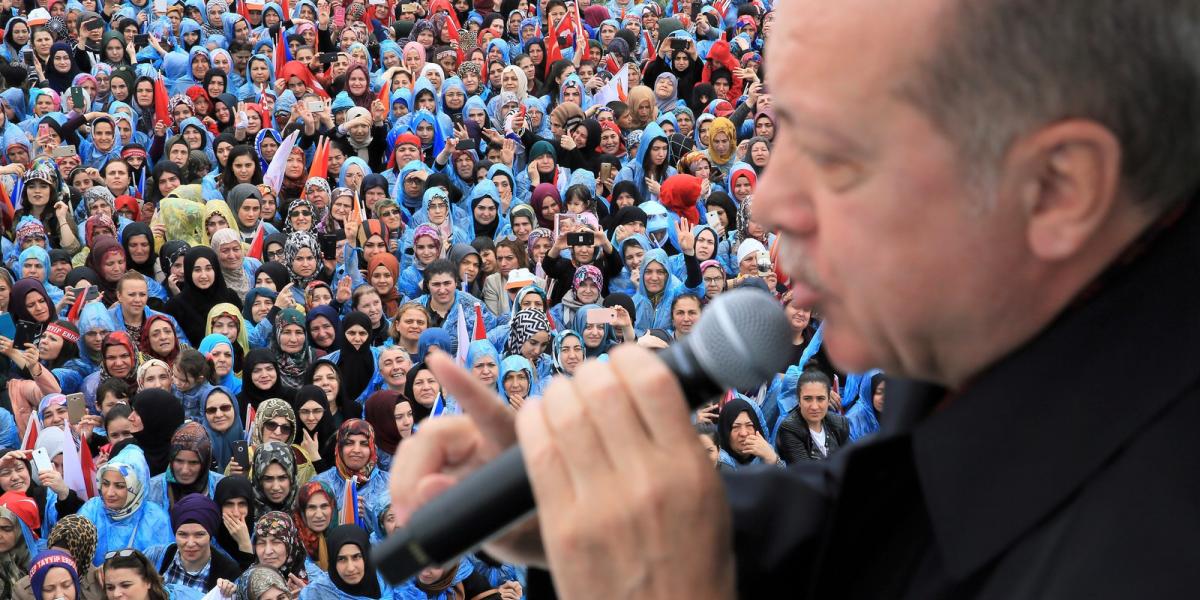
x=1065 y=178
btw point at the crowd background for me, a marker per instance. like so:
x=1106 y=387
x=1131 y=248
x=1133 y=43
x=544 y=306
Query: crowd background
x=233 y=232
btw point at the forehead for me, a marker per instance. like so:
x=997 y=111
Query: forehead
x=830 y=67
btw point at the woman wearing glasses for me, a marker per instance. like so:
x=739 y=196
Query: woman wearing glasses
x=275 y=421
x=122 y=517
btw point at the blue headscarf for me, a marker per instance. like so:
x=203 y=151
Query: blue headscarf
x=222 y=443
x=513 y=363
x=580 y=324
x=479 y=349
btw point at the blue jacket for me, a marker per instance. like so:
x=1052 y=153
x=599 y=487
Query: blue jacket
x=148 y=525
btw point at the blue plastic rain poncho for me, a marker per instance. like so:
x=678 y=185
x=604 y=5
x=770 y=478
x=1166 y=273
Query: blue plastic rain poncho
x=654 y=310
x=230 y=381
x=480 y=349
x=136 y=524
x=580 y=325
x=635 y=170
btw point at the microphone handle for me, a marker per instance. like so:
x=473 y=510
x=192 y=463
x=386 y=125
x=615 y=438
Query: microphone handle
x=451 y=525
x=497 y=495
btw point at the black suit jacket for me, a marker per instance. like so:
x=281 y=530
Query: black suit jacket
x=1068 y=469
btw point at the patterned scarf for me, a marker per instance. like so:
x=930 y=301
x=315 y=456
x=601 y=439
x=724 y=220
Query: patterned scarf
x=279 y=525
x=292 y=365
x=314 y=543
x=256 y=581
x=297 y=241
x=78 y=536
x=264 y=456
x=356 y=427
x=525 y=324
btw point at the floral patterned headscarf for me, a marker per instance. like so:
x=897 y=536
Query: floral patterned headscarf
x=356 y=427
x=279 y=525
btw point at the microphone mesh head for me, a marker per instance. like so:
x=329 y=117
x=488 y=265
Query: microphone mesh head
x=743 y=339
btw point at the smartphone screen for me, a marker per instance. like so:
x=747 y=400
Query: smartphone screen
x=601 y=316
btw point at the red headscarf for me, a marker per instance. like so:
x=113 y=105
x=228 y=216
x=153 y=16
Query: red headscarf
x=391 y=300
x=679 y=194
x=144 y=340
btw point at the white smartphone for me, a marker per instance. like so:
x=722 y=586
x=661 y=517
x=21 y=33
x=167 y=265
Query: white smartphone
x=41 y=460
x=714 y=218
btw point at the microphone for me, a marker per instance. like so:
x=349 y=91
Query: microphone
x=742 y=340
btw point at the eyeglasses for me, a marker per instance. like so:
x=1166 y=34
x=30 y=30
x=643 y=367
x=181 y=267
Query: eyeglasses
x=390 y=213
x=285 y=428
x=212 y=410
x=300 y=213
x=125 y=553
x=275 y=254
x=714 y=279
x=438 y=205
x=311 y=412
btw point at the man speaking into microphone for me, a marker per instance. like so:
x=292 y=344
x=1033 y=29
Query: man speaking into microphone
x=991 y=200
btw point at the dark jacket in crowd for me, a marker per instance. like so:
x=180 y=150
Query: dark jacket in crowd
x=795 y=444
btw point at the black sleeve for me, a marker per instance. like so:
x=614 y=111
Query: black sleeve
x=325 y=40
x=694 y=278
x=69 y=505
x=478 y=588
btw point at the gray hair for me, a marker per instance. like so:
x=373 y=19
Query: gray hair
x=1002 y=68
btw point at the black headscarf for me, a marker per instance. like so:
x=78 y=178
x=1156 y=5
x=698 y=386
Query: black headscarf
x=132 y=230
x=190 y=308
x=161 y=414
x=729 y=413
x=234 y=486
x=277 y=272
x=169 y=252
x=357 y=366
x=344 y=535
x=252 y=395
x=58 y=81
x=326 y=431
x=420 y=411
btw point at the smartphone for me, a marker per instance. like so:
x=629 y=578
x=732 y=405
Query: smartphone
x=77 y=98
x=679 y=43
x=837 y=389
x=241 y=453
x=583 y=238
x=714 y=217
x=76 y=408
x=601 y=316
x=141 y=39
x=315 y=106
x=63 y=151
x=27 y=56
x=763 y=259
x=410 y=7
x=329 y=242
x=605 y=171
x=339 y=15
x=90 y=292
x=327 y=58
x=467 y=144
x=41 y=460
x=28 y=332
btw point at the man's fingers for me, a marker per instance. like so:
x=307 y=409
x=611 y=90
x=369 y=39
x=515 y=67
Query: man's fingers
x=656 y=394
x=479 y=403
x=568 y=419
x=442 y=443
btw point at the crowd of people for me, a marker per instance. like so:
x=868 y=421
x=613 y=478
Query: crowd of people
x=233 y=232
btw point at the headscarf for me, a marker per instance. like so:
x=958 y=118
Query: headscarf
x=198 y=509
x=721 y=125
x=525 y=324
x=131 y=466
x=222 y=443
x=191 y=436
x=78 y=535
x=120 y=338
x=101 y=247
x=191 y=307
x=538 y=198
x=330 y=314
x=296 y=241
x=325 y=432
x=257 y=581
x=379 y=411
x=356 y=365
x=314 y=543
x=161 y=413
x=291 y=365
x=264 y=455
x=269 y=410
x=16 y=299
x=729 y=413
x=144 y=340
x=356 y=427
x=52 y=559
x=279 y=525
x=131 y=231
x=229 y=488
x=251 y=395
x=343 y=535
x=22 y=512
x=391 y=299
